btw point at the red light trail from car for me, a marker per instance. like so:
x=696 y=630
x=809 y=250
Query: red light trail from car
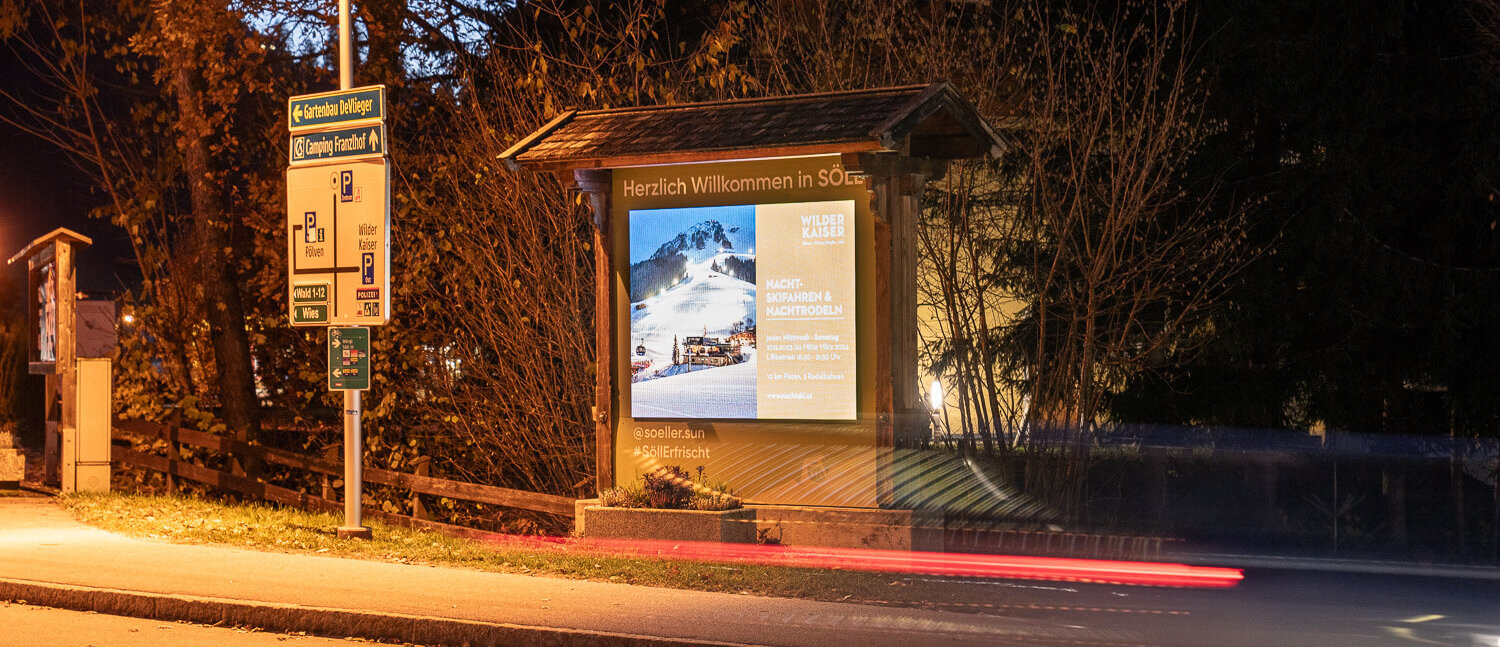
x=1065 y=569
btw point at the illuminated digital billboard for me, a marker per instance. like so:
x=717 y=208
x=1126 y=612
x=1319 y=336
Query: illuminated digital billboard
x=744 y=326
x=743 y=312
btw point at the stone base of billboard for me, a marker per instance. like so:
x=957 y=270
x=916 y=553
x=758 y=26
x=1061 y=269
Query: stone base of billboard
x=12 y=468
x=842 y=527
x=781 y=524
x=600 y=522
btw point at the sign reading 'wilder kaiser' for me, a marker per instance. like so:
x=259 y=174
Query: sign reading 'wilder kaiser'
x=336 y=108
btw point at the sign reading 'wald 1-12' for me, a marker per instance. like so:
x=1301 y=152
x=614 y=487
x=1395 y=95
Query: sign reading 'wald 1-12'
x=758 y=308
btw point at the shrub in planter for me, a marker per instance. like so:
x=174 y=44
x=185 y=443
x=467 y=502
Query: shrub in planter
x=668 y=488
x=671 y=488
x=668 y=504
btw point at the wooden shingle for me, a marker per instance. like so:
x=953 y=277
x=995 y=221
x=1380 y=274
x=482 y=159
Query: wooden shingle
x=919 y=120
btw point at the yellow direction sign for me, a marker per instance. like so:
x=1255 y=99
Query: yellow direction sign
x=338 y=243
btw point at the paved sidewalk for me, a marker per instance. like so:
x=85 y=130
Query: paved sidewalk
x=47 y=558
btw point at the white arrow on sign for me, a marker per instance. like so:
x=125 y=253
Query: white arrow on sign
x=297 y=113
x=374 y=139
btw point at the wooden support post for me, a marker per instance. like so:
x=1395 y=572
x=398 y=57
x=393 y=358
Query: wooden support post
x=67 y=346
x=895 y=183
x=596 y=182
x=52 y=434
x=885 y=353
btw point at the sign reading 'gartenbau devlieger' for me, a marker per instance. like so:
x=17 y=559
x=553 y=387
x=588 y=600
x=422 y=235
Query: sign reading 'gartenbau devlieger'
x=344 y=143
x=336 y=108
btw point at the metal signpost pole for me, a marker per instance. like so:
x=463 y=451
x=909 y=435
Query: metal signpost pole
x=353 y=440
x=346 y=65
x=338 y=240
x=353 y=469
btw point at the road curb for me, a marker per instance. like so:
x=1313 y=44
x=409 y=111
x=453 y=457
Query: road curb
x=280 y=617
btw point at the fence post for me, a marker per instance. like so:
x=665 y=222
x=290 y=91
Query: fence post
x=423 y=466
x=330 y=453
x=174 y=450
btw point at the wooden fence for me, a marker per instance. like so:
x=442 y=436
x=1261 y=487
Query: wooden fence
x=129 y=429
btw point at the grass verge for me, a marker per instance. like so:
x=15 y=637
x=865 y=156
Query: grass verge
x=266 y=527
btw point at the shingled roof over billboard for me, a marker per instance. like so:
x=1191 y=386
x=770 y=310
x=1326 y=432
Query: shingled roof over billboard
x=918 y=120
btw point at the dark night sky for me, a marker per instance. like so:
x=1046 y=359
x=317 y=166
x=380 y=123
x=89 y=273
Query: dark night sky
x=41 y=191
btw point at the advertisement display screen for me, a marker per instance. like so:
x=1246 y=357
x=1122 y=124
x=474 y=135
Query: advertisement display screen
x=44 y=312
x=743 y=312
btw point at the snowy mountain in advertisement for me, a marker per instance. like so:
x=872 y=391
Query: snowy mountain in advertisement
x=694 y=291
x=706 y=239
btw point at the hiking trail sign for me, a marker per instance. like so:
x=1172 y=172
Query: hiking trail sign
x=349 y=359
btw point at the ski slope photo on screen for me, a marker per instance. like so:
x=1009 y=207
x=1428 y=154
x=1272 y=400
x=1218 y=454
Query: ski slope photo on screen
x=743 y=312
x=692 y=312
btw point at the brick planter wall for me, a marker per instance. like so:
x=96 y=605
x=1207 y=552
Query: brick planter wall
x=12 y=467
x=599 y=522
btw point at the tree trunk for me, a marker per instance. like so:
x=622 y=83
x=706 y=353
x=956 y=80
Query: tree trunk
x=221 y=292
x=384 y=28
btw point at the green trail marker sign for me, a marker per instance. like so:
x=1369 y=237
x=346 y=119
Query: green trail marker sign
x=339 y=108
x=349 y=359
x=310 y=304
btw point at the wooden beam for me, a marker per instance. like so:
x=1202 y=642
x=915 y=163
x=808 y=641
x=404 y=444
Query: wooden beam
x=51 y=432
x=597 y=183
x=509 y=156
x=691 y=157
x=885 y=409
x=562 y=506
x=67 y=346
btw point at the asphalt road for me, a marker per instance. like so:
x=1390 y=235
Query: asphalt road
x=1292 y=607
x=33 y=626
x=40 y=546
